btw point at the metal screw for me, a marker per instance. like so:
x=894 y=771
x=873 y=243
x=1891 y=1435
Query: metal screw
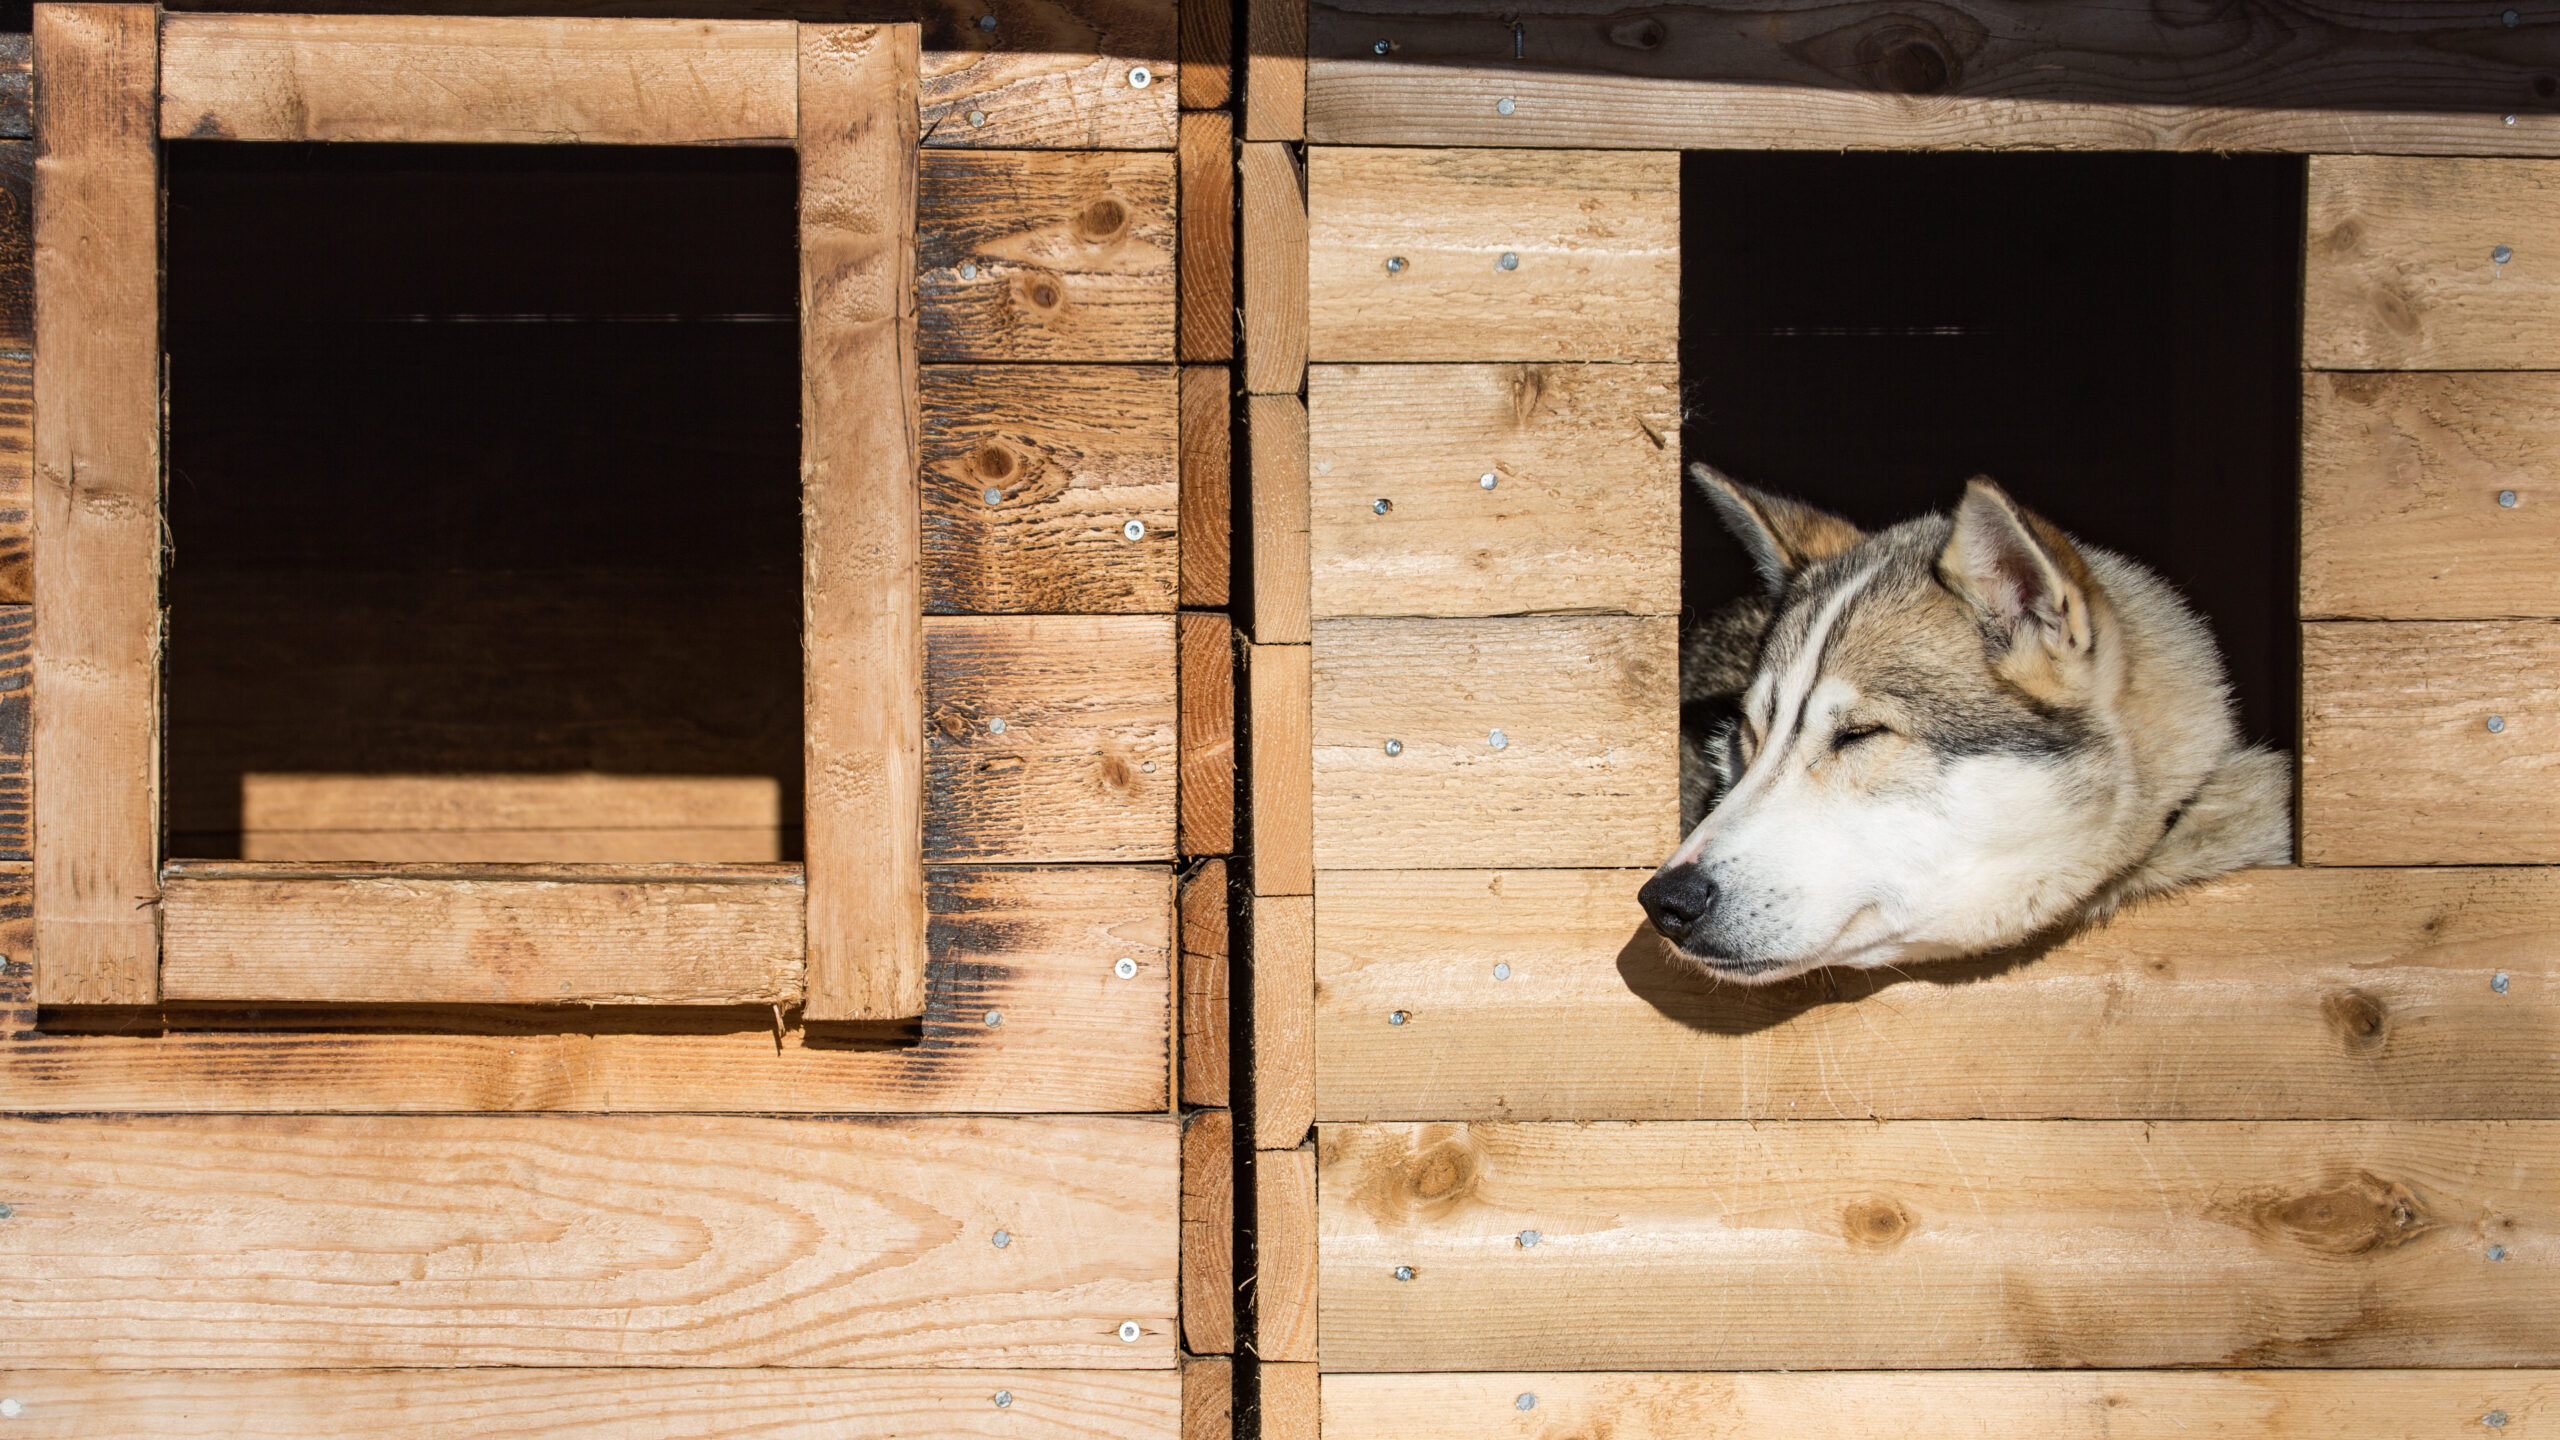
x=2511 y=119
x=1148 y=766
x=1398 y=1017
x=2502 y=254
x=2510 y=18
x=1140 y=77
x=1395 y=747
x=977 y=118
x=2497 y=724
x=2506 y=499
x=995 y=724
x=995 y=1019
x=1004 y=1399
x=1134 y=530
x=11 y=1409
x=1128 y=1332
x=1527 y=1401
x=1404 y=1272
x=1502 y=971
x=1000 y=1239
x=993 y=496
x=1497 y=740
x=1395 y=264
x=2497 y=982
x=1487 y=480
x=1529 y=1239
x=1381 y=48
x=1125 y=968
x=2497 y=1252
x=2496 y=1419
x=986 y=22
x=968 y=269
x=1509 y=261
x=8 y=1210
x=1504 y=106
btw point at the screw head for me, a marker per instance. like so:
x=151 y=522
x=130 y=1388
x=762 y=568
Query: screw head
x=1395 y=747
x=2510 y=19
x=1140 y=77
x=2506 y=499
x=1529 y=1239
x=2496 y=1419
x=1125 y=968
x=2511 y=119
x=992 y=496
x=1404 y=1272
x=1527 y=1401
x=1497 y=740
x=977 y=118
x=1510 y=261
x=1395 y=264
x=2497 y=1252
x=2497 y=724
x=1504 y=106
x=1381 y=48
x=1502 y=971
x=2500 y=255
x=1001 y=1239
x=995 y=1019
x=986 y=22
x=1381 y=505
x=2497 y=984
x=1487 y=480
x=995 y=724
x=11 y=1409
x=1128 y=1332
x=8 y=1210
x=968 y=269
x=1134 y=530
x=1004 y=1399
x=1398 y=1017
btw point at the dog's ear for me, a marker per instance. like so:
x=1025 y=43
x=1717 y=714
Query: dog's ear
x=1784 y=536
x=2020 y=572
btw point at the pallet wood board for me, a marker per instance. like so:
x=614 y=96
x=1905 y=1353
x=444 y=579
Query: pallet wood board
x=1284 y=1247
x=1274 y=218
x=1052 y=77
x=1582 y=513
x=17 y=238
x=1209 y=1232
x=1208 y=260
x=573 y=1241
x=2401 y=267
x=1046 y=255
x=2270 y=994
x=1072 y=455
x=1276 y=474
x=478 y=79
x=581 y=816
x=2427 y=497
x=1207 y=984
x=1545 y=742
x=1280 y=678
x=1289 y=1400
x=1208 y=485
x=1483 y=255
x=1926 y=1245
x=1037 y=947
x=1275 y=70
x=17 y=797
x=1208 y=785
x=1284 y=983
x=1207 y=29
x=1208 y=1397
x=2400 y=765
x=17 y=475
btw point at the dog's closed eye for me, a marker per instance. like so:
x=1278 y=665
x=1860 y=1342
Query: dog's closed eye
x=1849 y=735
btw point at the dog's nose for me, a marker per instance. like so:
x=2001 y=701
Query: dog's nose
x=1679 y=901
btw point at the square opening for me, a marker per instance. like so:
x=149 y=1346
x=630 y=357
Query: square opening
x=2114 y=338
x=484 y=503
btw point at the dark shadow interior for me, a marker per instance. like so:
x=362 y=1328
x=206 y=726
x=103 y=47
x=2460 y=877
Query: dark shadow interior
x=481 y=460
x=2114 y=338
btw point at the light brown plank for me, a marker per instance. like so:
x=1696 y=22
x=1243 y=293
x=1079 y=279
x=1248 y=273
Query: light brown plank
x=472 y=79
x=1209 y=1232
x=1208 y=494
x=862 y=596
x=1208 y=236
x=1276 y=437
x=1284 y=984
x=1583 y=513
x=1281 y=678
x=17 y=630
x=17 y=456
x=595 y=1404
x=1274 y=224
x=1053 y=77
x=97 y=505
x=1275 y=70
x=2426 y=497
x=1033 y=255
x=1288 y=1400
x=2400 y=270
x=1073 y=454
x=1541 y=995
x=1086 y=766
x=1206 y=986
x=1851 y=1245
x=1039 y=947
x=1534 y=742
x=1595 y=239
x=1284 y=1281
x=1208 y=735
x=2399 y=765
x=1208 y=1397
x=1208 y=54
x=662 y=1240
x=620 y=819
x=1960 y=1405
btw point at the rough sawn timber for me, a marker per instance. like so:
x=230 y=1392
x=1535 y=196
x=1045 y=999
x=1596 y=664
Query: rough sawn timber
x=1209 y=1232
x=1068 y=255
x=1207 y=970
x=2400 y=268
x=1279 y=678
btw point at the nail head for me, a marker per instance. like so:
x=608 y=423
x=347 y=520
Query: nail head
x=1504 y=106
x=1381 y=48
x=1529 y=1239
x=1004 y=1399
x=11 y=1409
x=1128 y=1332
x=1510 y=260
x=2497 y=724
x=2497 y=983
x=986 y=22
x=1395 y=264
x=1140 y=77
x=2511 y=119
x=1134 y=530
x=995 y=724
x=1502 y=971
x=1404 y=1272
x=1488 y=480
x=1398 y=1017
x=977 y=118
x=8 y=1210
x=1000 y=1239
x=1497 y=740
x=1395 y=747
x=2502 y=254
x=1125 y=968
x=2506 y=499
x=2510 y=18
x=2495 y=1419
x=1381 y=505
x=968 y=270
x=1527 y=1401
x=995 y=1019
x=2497 y=1252
x=993 y=496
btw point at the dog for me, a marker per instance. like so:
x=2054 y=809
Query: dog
x=1943 y=739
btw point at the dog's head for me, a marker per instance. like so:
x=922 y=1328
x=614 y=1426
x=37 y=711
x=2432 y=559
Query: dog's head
x=1926 y=762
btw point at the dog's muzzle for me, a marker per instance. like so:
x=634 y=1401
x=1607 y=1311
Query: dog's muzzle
x=1680 y=903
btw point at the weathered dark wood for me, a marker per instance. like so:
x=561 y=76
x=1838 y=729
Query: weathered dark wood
x=1209 y=1232
x=16 y=95
x=1208 y=494
x=1073 y=455
x=17 y=477
x=1208 y=54
x=17 y=240
x=17 y=630
x=1206 y=979
x=1208 y=160
x=1033 y=255
x=1208 y=735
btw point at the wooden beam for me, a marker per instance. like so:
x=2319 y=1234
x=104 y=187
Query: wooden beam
x=1208 y=54
x=1207 y=1040
x=477 y=79
x=1279 y=678
x=582 y=816
x=1033 y=255
x=1274 y=223
x=1284 y=985
x=1733 y=1246
x=17 y=472
x=1208 y=735
x=2270 y=994
x=17 y=242
x=1284 y=1279
x=1096 y=75
x=1289 y=1398
x=1208 y=260
x=1276 y=479
x=1209 y=1232
x=1208 y=1397
x=17 y=633
x=2401 y=269
x=97 y=506
x=863 y=603
x=1208 y=494
x=16 y=90
x=1275 y=70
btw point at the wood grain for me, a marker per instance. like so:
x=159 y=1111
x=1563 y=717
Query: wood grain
x=1207 y=1033
x=1583 y=514
x=1051 y=77
x=1280 y=681
x=621 y=819
x=1208 y=493
x=1208 y=54
x=97 y=505
x=1208 y=784
x=1586 y=772
x=1274 y=225
x=1037 y=946
x=2399 y=267
x=1073 y=455
x=1275 y=70
x=2401 y=481
x=17 y=798
x=862 y=600
x=16 y=97
x=660 y=1240
x=1596 y=238
x=1208 y=261
x=1068 y=256
x=1284 y=1240
x=476 y=79
x=1276 y=477
x=1208 y=1397
x=1289 y=1399
x=1209 y=1232
x=1086 y=765
x=2270 y=994
x=595 y=1404
x=17 y=476
x=2399 y=766
x=1284 y=982
x=1942 y=1405
x=1850 y=1245
x=17 y=242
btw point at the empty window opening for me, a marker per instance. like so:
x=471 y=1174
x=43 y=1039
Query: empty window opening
x=483 y=503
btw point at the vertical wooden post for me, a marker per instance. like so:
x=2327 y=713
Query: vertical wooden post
x=863 y=622
x=97 y=505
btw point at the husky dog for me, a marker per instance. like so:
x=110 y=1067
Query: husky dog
x=1944 y=738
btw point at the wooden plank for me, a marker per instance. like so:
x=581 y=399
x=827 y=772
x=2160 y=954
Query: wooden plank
x=1086 y=765
x=862 y=601
x=1209 y=1232
x=1281 y=680
x=1208 y=54
x=1274 y=225
x=16 y=97
x=2052 y=1245
x=1206 y=967
x=97 y=512
x=1208 y=260
x=1073 y=455
x=1208 y=1397
x=2270 y=994
x=1284 y=982
x=2406 y=488
x=17 y=240
x=657 y=1240
x=1594 y=239
x=2400 y=268
x=1582 y=512
x=1534 y=742
x=17 y=477
x=597 y=1404
x=1943 y=1405
x=621 y=819
x=1276 y=474
x=2399 y=763
x=1208 y=494
x=1086 y=76
x=1032 y=255
x=17 y=800
x=1289 y=1397
x=1039 y=947
x=1284 y=1280
x=1208 y=787
x=477 y=79
x=1275 y=70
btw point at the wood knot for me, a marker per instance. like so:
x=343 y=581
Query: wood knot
x=2358 y=1018
x=1115 y=772
x=1874 y=1223
x=1036 y=291
x=1102 y=220
x=1645 y=34
x=2361 y=1214
x=2344 y=238
x=1906 y=60
x=994 y=463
